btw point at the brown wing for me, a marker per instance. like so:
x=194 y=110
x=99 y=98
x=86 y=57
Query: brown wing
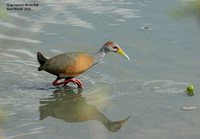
x=69 y=64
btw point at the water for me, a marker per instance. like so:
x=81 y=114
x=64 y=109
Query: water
x=164 y=57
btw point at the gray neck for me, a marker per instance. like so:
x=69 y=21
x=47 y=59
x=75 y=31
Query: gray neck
x=98 y=57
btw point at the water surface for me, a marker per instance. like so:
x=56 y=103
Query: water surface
x=164 y=57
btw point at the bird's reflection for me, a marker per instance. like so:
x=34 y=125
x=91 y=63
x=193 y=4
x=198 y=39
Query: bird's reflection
x=71 y=106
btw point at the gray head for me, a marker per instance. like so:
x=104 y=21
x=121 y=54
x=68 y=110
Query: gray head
x=113 y=47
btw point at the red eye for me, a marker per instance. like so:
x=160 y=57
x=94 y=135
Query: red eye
x=115 y=47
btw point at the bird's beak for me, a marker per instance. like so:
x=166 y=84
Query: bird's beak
x=121 y=52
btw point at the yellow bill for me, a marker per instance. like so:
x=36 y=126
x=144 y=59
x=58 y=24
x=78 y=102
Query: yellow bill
x=121 y=52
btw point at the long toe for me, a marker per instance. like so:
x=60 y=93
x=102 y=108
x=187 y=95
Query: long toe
x=75 y=81
x=57 y=83
x=79 y=83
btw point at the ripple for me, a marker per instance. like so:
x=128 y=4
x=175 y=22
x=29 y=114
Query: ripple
x=56 y=51
x=19 y=16
x=23 y=134
x=125 y=13
x=8 y=55
x=8 y=25
x=13 y=26
x=165 y=86
x=5 y=37
x=61 y=12
x=164 y=82
x=38 y=128
x=23 y=51
x=18 y=62
x=75 y=21
x=141 y=87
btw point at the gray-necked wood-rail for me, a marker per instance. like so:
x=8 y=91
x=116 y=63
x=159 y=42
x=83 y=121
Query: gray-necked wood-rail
x=70 y=65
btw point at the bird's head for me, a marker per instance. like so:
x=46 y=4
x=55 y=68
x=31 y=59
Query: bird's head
x=114 y=47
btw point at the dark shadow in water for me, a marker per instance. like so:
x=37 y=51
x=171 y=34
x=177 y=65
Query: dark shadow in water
x=72 y=107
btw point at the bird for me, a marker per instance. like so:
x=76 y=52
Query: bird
x=69 y=65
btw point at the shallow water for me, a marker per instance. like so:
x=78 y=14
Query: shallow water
x=164 y=57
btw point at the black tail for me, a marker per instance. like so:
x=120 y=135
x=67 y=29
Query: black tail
x=41 y=60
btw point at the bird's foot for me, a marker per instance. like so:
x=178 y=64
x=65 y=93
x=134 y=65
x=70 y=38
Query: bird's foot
x=73 y=80
x=57 y=82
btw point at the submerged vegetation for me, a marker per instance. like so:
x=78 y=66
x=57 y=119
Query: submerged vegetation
x=3 y=12
x=189 y=8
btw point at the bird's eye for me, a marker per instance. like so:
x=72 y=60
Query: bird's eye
x=115 y=47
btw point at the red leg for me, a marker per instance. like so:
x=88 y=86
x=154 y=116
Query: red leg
x=56 y=83
x=73 y=80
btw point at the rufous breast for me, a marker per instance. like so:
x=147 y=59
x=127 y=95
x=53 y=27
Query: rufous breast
x=83 y=62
